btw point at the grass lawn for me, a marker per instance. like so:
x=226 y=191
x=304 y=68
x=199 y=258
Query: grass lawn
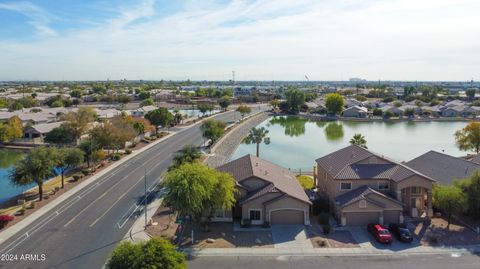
x=306 y=182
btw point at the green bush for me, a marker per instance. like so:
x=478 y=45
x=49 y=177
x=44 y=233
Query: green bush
x=115 y=156
x=76 y=177
x=320 y=205
x=86 y=172
x=306 y=182
x=22 y=210
x=128 y=151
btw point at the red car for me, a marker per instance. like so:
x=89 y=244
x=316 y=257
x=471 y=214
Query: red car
x=380 y=233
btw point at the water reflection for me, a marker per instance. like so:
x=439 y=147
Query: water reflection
x=334 y=131
x=9 y=157
x=294 y=126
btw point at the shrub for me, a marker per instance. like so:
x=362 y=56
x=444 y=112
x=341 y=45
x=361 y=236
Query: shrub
x=32 y=205
x=128 y=151
x=57 y=188
x=323 y=218
x=266 y=224
x=306 y=182
x=246 y=223
x=433 y=239
x=76 y=177
x=320 y=205
x=22 y=210
x=115 y=156
x=4 y=220
x=86 y=172
x=326 y=229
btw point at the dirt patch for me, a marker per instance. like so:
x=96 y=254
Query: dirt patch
x=165 y=226
x=435 y=233
x=335 y=239
x=224 y=237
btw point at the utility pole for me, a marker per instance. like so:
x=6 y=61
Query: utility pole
x=233 y=77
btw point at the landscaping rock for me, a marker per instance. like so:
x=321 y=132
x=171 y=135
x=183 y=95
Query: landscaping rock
x=258 y=241
x=210 y=240
x=233 y=236
x=223 y=234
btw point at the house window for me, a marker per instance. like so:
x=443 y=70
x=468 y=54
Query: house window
x=416 y=190
x=255 y=214
x=362 y=204
x=383 y=185
x=344 y=186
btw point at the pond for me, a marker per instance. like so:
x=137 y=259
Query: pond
x=193 y=112
x=297 y=142
x=8 y=157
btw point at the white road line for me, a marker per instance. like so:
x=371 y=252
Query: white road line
x=106 y=211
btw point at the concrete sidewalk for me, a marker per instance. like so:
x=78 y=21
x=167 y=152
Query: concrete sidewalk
x=421 y=250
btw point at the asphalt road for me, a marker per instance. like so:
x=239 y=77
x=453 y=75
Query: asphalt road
x=465 y=261
x=82 y=231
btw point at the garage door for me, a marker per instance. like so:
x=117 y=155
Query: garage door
x=391 y=216
x=361 y=218
x=286 y=217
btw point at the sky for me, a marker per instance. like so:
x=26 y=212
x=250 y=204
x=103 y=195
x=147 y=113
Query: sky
x=258 y=39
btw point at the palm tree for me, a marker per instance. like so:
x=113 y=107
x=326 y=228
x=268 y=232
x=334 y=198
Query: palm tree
x=257 y=136
x=359 y=139
x=36 y=167
x=188 y=154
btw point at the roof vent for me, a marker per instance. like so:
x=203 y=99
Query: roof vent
x=256 y=164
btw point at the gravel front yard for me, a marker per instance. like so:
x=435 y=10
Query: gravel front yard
x=335 y=239
x=435 y=233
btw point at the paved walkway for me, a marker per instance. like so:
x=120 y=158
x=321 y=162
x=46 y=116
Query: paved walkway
x=290 y=236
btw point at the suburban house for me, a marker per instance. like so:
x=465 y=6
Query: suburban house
x=142 y=111
x=267 y=193
x=454 y=111
x=364 y=187
x=434 y=110
x=356 y=112
x=443 y=168
x=36 y=133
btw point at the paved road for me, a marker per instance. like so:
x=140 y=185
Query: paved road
x=466 y=261
x=82 y=231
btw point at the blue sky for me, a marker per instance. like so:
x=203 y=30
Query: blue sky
x=259 y=39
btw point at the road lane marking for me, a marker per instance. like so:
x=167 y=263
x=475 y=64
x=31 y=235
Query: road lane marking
x=106 y=211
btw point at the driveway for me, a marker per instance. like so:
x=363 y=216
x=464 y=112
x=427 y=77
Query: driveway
x=366 y=240
x=290 y=236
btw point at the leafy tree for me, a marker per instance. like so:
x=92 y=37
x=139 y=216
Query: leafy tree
x=124 y=99
x=154 y=253
x=59 y=135
x=77 y=122
x=197 y=190
x=213 y=130
x=334 y=103
x=388 y=114
x=470 y=93
x=36 y=167
x=89 y=147
x=144 y=95
x=377 y=112
x=159 y=117
x=409 y=112
x=147 y=102
x=68 y=158
x=243 y=110
x=471 y=188
x=177 y=118
x=274 y=104
x=468 y=138
x=76 y=93
x=204 y=108
x=187 y=154
x=113 y=134
x=224 y=102
x=295 y=100
x=359 y=139
x=450 y=199
x=11 y=130
x=257 y=136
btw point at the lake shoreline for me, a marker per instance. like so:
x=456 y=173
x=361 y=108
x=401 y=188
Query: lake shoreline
x=325 y=118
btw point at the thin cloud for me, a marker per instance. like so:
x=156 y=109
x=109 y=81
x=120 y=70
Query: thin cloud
x=39 y=18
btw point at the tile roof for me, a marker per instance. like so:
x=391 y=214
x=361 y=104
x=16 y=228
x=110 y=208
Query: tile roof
x=442 y=167
x=343 y=164
x=362 y=193
x=251 y=166
x=44 y=128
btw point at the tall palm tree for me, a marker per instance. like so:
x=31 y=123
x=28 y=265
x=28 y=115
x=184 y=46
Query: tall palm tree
x=359 y=139
x=257 y=136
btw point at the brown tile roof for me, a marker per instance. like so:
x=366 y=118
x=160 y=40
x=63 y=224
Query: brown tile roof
x=362 y=193
x=343 y=164
x=251 y=166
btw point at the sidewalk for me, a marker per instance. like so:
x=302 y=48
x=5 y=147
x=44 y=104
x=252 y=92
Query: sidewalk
x=421 y=250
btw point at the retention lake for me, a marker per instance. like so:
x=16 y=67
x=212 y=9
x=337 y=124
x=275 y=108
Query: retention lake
x=8 y=158
x=296 y=142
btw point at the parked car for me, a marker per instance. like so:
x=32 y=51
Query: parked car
x=380 y=233
x=401 y=232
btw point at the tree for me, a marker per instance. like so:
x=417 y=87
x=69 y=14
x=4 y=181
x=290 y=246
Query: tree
x=468 y=138
x=470 y=93
x=177 y=118
x=334 y=103
x=124 y=99
x=377 y=112
x=204 y=108
x=409 y=112
x=213 y=130
x=144 y=95
x=77 y=122
x=257 y=136
x=154 y=253
x=36 y=167
x=147 y=102
x=450 y=199
x=359 y=140
x=243 y=110
x=113 y=134
x=224 y=102
x=471 y=188
x=295 y=100
x=59 y=135
x=197 y=190
x=187 y=154
x=11 y=130
x=68 y=158
x=159 y=117
x=89 y=147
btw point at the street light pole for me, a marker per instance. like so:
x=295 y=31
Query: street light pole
x=145 y=197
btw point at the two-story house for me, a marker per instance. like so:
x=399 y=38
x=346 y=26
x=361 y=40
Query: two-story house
x=267 y=193
x=364 y=187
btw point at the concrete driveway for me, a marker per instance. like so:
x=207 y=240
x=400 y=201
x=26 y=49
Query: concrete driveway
x=290 y=236
x=366 y=240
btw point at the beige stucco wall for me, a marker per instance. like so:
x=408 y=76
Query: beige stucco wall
x=257 y=204
x=288 y=203
x=413 y=181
